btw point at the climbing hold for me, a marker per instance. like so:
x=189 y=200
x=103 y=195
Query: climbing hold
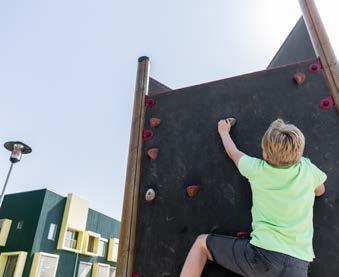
x=150 y=195
x=153 y=153
x=299 y=78
x=147 y=134
x=149 y=102
x=243 y=235
x=154 y=122
x=135 y=275
x=192 y=190
x=231 y=120
x=327 y=103
x=314 y=67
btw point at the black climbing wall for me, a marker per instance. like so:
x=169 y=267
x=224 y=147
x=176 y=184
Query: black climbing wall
x=191 y=152
x=297 y=47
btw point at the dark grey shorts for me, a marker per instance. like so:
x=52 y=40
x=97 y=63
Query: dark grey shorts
x=239 y=256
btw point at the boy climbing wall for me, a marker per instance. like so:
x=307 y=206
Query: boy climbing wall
x=284 y=185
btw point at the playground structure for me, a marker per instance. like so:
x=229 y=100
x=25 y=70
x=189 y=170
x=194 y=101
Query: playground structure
x=179 y=182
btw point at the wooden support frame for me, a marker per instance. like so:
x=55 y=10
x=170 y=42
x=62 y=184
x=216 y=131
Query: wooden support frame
x=126 y=250
x=322 y=47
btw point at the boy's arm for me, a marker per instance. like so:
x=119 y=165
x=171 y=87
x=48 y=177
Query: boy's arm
x=319 y=180
x=233 y=152
x=320 y=190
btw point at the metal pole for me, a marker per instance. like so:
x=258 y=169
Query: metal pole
x=322 y=47
x=5 y=185
x=75 y=264
x=129 y=213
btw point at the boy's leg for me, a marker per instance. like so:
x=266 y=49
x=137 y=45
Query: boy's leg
x=196 y=258
x=228 y=252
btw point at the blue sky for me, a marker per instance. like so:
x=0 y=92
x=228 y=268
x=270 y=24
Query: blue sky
x=67 y=76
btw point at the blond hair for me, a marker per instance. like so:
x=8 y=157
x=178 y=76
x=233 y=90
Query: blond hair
x=283 y=143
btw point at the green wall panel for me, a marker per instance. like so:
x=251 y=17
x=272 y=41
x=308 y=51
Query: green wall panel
x=24 y=207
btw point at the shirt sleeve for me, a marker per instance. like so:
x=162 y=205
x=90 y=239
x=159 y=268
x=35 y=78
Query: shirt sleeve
x=249 y=166
x=319 y=176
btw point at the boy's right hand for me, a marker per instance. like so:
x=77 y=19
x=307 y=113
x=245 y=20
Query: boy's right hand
x=224 y=126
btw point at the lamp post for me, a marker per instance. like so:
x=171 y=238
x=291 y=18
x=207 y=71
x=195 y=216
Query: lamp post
x=16 y=148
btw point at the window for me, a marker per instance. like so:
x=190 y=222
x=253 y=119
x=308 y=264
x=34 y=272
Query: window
x=48 y=265
x=71 y=239
x=85 y=269
x=52 y=231
x=103 y=243
x=90 y=246
x=112 y=270
x=113 y=248
x=5 y=226
x=12 y=263
x=1 y=224
x=103 y=270
x=20 y=225
x=10 y=266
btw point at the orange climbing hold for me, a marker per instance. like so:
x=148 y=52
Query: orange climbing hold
x=192 y=190
x=153 y=153
x=299 y=78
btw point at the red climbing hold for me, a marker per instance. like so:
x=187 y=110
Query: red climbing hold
x=149 y=102
x=147 y=134
x=192 y=190
x=154 y=122
x=243 y=235
x=135 y=275
x=299 y=78
x=153 y=153
x=314 y=67
x=327 y=103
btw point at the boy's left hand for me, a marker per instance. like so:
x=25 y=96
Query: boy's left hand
x=224 y=126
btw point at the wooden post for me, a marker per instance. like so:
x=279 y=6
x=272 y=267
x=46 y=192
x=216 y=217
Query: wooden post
x=322 y=46
x=129 y=213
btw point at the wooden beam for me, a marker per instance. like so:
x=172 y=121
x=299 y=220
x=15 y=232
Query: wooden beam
x=322 y=47
x=130 y=206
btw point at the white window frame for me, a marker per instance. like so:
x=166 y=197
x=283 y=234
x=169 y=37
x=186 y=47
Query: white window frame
x=85 y=263
x=52 y=232
x=56 y=259
x=115 y=249
x=106 y=251
x=72 y=241
x=103 y=266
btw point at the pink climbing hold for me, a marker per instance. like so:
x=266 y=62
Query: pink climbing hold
x=299 y=78
x=192 y=190
x=314 y=67
x=153 y=153
x=149 y=102
x=154 y=122
x=327 y=103
x=147 y=134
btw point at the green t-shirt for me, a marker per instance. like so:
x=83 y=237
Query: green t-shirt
x=282 y=211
